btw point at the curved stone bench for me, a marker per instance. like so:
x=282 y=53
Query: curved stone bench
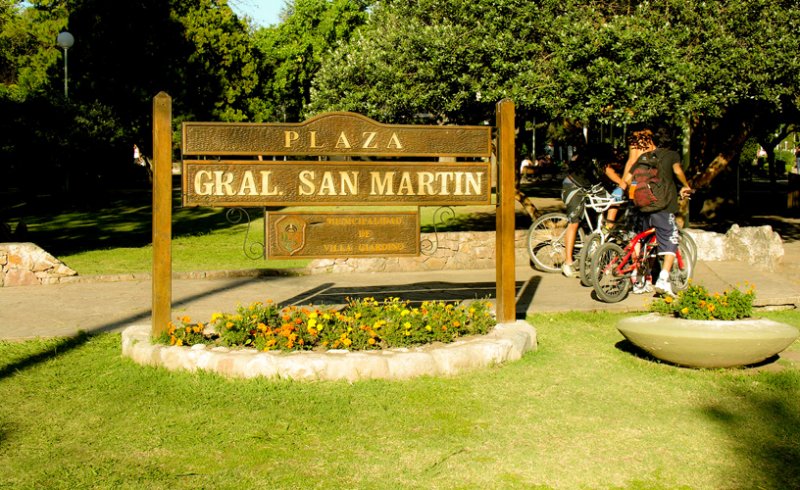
x=506 y=342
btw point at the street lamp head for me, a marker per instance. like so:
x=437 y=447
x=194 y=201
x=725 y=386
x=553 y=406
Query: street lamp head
x=65 y=40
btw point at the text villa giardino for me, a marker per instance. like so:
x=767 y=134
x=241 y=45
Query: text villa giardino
x=338 y=183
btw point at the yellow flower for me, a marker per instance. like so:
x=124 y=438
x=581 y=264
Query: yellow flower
x=407 y=325
x=371 y=341
x=685 y=310
x=216 y=316
x=668 y=299
x=428 y=328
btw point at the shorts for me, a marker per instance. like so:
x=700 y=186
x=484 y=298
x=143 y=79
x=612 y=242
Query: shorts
x=572 y=196
x=666 y=232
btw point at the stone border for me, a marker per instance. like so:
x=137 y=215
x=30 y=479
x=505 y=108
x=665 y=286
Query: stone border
x=506 y=342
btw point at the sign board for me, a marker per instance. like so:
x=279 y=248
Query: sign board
x=336 y=133
x=340 y=235
x=292 y=183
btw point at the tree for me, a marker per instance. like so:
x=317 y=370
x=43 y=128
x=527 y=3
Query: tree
x=294 y=50
x=198 y=51
x=726 y=69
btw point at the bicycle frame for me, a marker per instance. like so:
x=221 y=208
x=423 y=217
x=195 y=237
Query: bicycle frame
x=634 y=260
x=599 y=202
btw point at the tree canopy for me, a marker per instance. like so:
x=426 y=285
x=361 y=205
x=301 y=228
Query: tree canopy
x=723 y=70
x=726 y=69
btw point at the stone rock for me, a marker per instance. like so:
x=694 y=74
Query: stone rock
x=756 y=245
x=23 y=264
x=710 y=245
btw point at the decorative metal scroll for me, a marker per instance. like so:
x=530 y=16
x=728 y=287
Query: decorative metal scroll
x=441 y=216
x=255 y=249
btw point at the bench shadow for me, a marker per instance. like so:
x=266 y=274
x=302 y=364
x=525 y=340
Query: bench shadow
x=417 y=293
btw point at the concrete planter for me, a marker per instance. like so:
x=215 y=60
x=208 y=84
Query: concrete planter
x=708 y=343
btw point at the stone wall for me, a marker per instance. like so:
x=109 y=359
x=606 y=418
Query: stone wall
x=452 y=251
x=25 y=264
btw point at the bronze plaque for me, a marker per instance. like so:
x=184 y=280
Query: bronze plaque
x=336 y=133
x=341 y=235
x=250 y=184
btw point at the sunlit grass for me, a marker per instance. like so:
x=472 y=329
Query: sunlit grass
x=580 y=412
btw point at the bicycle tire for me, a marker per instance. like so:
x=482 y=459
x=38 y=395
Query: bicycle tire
x=546 y=245
x=609 y=286
x=679 y=277
x=590 y=246
x=691 y=246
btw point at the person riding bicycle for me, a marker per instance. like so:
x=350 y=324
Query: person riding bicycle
x=641 y=142
x=583 y=172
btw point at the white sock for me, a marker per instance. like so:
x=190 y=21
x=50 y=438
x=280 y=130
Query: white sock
x=663 y=276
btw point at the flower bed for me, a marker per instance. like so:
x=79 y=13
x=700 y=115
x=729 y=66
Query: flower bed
x=362 y=324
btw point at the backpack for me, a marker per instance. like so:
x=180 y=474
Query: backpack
x=652 y=190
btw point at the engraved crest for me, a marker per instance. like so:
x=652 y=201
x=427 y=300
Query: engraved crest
x=291 y=233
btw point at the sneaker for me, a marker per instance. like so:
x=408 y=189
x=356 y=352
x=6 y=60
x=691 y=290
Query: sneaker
x=568 y=270
x=664 y=287
x=647 y=287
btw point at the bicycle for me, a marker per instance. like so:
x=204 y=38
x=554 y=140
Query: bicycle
x=592 y=243
x=613 y=267
x=546 y=244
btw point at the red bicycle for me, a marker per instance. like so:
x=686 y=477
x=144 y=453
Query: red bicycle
x=614 y=268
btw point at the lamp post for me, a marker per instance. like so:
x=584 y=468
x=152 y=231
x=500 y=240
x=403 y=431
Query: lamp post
x=65 y=41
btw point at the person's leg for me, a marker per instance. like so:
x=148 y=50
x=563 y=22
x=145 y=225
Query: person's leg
x=667 y=237
x=573 y=200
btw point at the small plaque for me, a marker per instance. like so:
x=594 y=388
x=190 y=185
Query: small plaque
x=341 y=235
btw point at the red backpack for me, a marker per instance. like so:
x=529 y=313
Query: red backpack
x=652 y=190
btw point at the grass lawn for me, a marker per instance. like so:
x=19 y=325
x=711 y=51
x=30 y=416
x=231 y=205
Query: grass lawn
x=580 y=412
x=111 y=234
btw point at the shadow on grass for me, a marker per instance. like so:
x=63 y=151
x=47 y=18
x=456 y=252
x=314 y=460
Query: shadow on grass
x=108 y=220
x=763 y=422
x=761 y=416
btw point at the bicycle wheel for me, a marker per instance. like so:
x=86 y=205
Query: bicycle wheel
x=590 y=246
x=691 y=246
x=679 y=276
x=609 y=285
x=546 y=241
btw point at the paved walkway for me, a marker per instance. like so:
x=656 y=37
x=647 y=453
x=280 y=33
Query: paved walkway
x=65 y=309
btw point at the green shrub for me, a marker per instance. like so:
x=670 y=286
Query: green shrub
x=361 y=324
x=696 y=303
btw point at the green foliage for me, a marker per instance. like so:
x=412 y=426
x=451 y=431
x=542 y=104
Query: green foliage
x=362 y=324
x=696 y=303
x=294 y=50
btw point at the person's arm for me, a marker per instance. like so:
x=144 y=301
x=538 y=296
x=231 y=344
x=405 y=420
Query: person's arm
x=615 y=177
x=677 y=169
x=633 y=155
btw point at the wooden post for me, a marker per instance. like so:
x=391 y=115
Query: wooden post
x=506 y=267
x=162 y=213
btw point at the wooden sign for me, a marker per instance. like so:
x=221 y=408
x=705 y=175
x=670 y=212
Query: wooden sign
x=336 y=133
x=241 y=183
x=341 y=235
